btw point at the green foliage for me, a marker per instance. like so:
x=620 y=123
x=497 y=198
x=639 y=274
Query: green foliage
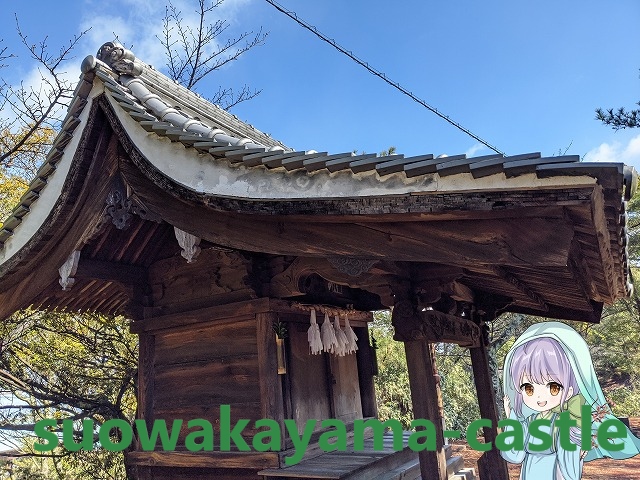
x=280 y=329
x=392 y=382
x=11 y=189
x=619 y=118
x=633 y=226
x=25 y=149
x=458 y=389
x=615 y=343
x=97 y=464
x=55 y=365
x=625 y=399
x=390 y=151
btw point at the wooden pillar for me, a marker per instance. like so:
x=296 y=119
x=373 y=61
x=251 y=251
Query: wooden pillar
x=427 y=404
x=425 y=389
x=146 y=386
x=491 y=465
x=365 y=358
x=146 y=377
x=270 y=382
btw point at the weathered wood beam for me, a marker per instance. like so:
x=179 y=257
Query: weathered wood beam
x=374 y=276
x=426 y=397
x=491 y=465
x=604 y=242
x=366 y=367
x=581 y=274
x=433 y=326
x=499 y=241
x=229 y=313
x=521 y=286
x=215 y=459
x=111 y=271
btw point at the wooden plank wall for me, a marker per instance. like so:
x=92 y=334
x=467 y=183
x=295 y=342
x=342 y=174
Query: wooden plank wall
x=308 y=379
x=205 y=357
x=198 y=369
x=347 y=405
x=214 y=278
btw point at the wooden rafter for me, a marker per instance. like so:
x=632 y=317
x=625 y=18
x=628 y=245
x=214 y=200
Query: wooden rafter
x=521 y=286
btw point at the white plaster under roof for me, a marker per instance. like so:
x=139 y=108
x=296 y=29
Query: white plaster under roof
x=205 y=174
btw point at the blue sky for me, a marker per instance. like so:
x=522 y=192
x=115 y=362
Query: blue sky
x=525 y=76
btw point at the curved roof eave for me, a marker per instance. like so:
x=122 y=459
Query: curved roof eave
x=38 y=204
x=208 y=161
x=209 y=174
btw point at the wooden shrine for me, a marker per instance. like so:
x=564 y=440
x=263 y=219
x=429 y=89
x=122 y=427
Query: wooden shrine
x=208 y=234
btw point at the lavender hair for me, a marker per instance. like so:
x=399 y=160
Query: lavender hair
x=542 y=360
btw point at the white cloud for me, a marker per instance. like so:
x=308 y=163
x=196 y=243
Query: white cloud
x=38 y=85
x=137 y=31
x=139 y=23
x=628 y=154
x=474 y=149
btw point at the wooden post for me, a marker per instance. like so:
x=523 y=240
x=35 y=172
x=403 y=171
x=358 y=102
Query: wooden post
x=491 y=465
x=427 y=404
x=365 y=359
x=146 y=354
x=425 y=389
x=146 y=377
x=270 y=382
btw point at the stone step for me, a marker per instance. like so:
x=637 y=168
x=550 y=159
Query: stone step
x=464 y=474
x=454 y=464
x=448 y=451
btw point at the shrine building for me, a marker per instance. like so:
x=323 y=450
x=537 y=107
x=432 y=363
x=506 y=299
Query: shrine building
x=215 y=240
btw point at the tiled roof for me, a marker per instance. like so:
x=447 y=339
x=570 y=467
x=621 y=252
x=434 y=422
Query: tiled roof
x=175 y=139
x=169 y=110
x=227 y=137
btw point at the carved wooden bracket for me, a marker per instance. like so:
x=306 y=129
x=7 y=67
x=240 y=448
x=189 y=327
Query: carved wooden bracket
x=189 y=245
x=354 y=267
x=68 y=270
x=121 y=207
x=118 y=208
x=433 y=326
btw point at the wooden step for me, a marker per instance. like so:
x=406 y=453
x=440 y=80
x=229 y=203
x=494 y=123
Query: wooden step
x=349 y=465
x=406 y=471
x=369 y=464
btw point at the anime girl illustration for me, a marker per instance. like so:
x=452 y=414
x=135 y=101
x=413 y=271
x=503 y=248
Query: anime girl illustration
x=548 y=371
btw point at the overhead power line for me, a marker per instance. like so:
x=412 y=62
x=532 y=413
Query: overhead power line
x=379 y=74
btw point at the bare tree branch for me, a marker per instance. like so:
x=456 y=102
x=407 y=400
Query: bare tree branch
x=195 y=52
x=35 y=107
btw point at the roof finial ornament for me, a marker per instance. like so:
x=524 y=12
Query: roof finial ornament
x=120 y=59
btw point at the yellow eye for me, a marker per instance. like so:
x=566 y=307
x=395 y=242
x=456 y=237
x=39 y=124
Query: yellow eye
x=528 y=388
x=554 y=388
